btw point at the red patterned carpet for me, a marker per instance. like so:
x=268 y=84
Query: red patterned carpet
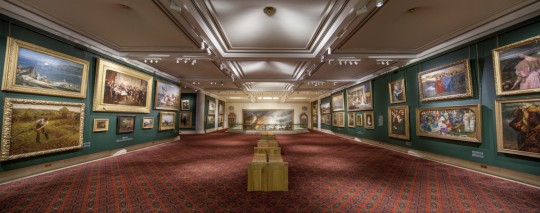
x=208 y=173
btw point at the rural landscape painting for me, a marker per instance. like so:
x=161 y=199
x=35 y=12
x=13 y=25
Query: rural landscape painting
x=360 y=97
x=268 y=119
x=167 y=121
x=101 y=125
x=33 y=69
x=125 y=124
x=148 y=123
x=167 y=96
x=338 y=102
x=325 y=107
x=455 y=123
x=518 y=124
x=40 y=127
x=450 y=81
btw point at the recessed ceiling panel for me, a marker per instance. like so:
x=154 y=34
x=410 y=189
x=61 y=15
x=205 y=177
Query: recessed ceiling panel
x=269 y=69
x=267 y=86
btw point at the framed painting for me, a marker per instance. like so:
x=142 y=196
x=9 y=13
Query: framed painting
x=101 y=125
x=328 y=119
x=211 y=107
x=314 y=108
x=121 y=89
x=516 y=67
x=338 y=119
x=267 y=119
x=323 y=119
x=350 y=119
x=33 y=69
x=167 y=96
x=167 y=121
x=314 y=119
x=398 y=122
x=185 y=119
x=461 y=123
x=369 y=123
x=359 y=120
x=148 y=122
x=304 y=120
x=338 y=102
x=360 y=97
x=125 y=124
x=220 y=120
x=450 y=81
x=325 y=107
x=185 y=105
x=396 y=91
x=220 y=108
x=517 y=123
x=210 y=120
x=32 y=127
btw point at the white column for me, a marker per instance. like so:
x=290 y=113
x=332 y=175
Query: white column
x=199 y=122
x=319 y=114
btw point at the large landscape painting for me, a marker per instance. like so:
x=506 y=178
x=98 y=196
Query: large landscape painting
x=268 y=119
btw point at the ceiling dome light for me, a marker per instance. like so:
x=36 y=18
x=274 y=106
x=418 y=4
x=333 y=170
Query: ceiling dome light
x=379 y=3
x=269 y=11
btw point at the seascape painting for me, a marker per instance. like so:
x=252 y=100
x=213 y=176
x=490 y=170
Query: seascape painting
x=518 y=124
x=268 y=119
x=450 y=81
x=455 y=123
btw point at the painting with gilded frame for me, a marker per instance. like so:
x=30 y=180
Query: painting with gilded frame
x=185 y=120
x=360 y=97
x=220 y=108
x=33 y=127
x=396 y=91
x=369 y=122
x=314 y=120
x=517 y=123
x=185 y=104
x=121 y=89
x=359 y=120
x=167 y=121
x=325 y=107
x=398 y=122
x=268 y=119
x=338 y=102
x=211 y=107
x=148 y=122
x=461 y=123
x=338 y=119
x=33 y=69
x=449 y=81
x=314 y=108
x=167 y=96
x=516 y=67
x=125 y=124
x=101 y=125
x=350 y=119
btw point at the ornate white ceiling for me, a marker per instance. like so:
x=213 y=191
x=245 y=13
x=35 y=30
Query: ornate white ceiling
x=233 y=50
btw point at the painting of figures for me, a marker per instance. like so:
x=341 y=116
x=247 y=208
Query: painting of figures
x=148 y=123
x=359 y=120
x=518 y=126
x=185 y=119
x=338 y=119
x=360 y=97
x=268 y=119
x=125 y=124
x=338 y=102
x=167 y=121
x=455 y=123
x=211 y=107
x=325 y=107
x=369 y=123
x=517 y=67
x=398 y=122
x=33 y=127
x=350 y=119
x=185 y=105
x=120 y=89
x=397 y=91
x=33 y=69
x=314 y=108
x=450 y=81
x=167 y=96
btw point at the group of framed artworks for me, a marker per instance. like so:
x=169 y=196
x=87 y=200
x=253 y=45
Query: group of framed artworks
x=210 y=120
x=185 y=114
x=58 y=126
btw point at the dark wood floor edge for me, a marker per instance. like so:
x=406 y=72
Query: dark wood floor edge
x=516 y=176
x=15 y=174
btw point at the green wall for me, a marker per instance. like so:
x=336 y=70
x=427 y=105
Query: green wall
x=192 y=97
x=207 y=100
x=93 y=142
x=480 y=57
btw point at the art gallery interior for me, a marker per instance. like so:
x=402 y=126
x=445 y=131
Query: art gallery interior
x=270 y=105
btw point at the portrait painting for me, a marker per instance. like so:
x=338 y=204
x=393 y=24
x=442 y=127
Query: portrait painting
x=101 y=125
x=125 y=124
x=461 y=123
x=397 y=91
x=350 y=119
x=167 y=121
x=167 y=96
x=33 y=127
x=518 y=126
x=268 y=119
x=517 y=67
x=338 y=102
x=398 y=122
x=338 y=119
x=211 y=107
x=369 y=123
x=185 y=119
x=450 y=81
x=148 y=122
x=121 y=89
x=33 y=69
x=359 y=121
x=325 y=107
x=185 y=105
x=360 y=97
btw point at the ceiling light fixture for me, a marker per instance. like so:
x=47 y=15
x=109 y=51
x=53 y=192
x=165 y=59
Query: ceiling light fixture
x=175 y=7
x=362 y=10
x=203 y=45
x=152 y=60
x=379 y=3
x=269 y=11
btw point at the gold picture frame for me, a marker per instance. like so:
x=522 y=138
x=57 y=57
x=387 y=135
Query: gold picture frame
x=101 y=125
x=338 y=119
x=517 y=123
x=185 y=120
x=167 y=96
x=167 y=121
x=359 y=120
x=325 y=107
x=396 y=90
x=351 y=120
x=461 y=123
x=513 y=64
x=451 y=81
x=369 y=120
x=115 y=89
x=185 y=105
x=360 y=97
x=148 y=123
x=398 y=122
x=338 y=103
x=211 y=107
x=29 y=68
x=59 y=127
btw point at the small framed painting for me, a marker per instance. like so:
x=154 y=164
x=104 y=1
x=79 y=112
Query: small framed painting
x=210 y=120
x=167 y=121
x=185 y=105
x=446 y=82
x=350 y=119
x=398 y=122
x=211 y=107
x=397 y=91
x=148 y=122
x=101 y=125
x=185 y=119
x=369 y=123
x=125 y=124
x=359 y=120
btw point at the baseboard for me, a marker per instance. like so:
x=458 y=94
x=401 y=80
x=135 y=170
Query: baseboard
x=517 y=176
x=51 y=166
x=187 y=132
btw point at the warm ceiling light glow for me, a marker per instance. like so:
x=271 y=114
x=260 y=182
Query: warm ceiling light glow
x=379 y=3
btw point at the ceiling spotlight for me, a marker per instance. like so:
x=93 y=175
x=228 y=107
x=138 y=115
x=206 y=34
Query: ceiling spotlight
x=269 y=11
x=194 y=61
x=329 y=50
x=203 y=45
x=379 y=3
x=208 y=51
